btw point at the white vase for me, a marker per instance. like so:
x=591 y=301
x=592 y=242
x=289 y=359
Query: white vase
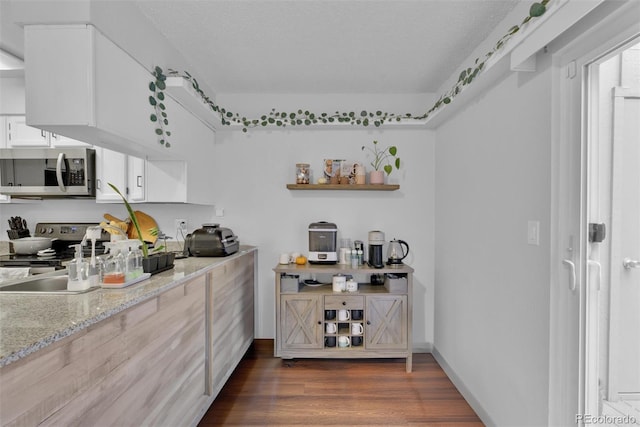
x=376 y=177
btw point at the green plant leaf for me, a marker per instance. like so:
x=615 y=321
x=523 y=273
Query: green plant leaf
x=388 y=169
x=537 y=9
x=393 y=150
x=152 y=101
x=161 y=84
x=398 y=163
x=152 y=86
x=160 y=96
x=154 y=118
x=134 y=219
x=159 y=131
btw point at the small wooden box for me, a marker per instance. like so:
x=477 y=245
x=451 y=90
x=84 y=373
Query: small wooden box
x=289 y=283
x=396 y=284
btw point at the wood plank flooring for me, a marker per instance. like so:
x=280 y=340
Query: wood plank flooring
x=268 y=391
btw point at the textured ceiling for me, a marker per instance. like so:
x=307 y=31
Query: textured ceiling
x=325 y=46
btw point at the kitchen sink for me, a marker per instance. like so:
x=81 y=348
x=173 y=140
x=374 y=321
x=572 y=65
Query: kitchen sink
x=51 y=285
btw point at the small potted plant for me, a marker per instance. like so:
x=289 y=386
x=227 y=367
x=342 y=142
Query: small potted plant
x=154 y=262
x=382 y=162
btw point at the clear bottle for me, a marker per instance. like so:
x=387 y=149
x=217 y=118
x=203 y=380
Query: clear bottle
x=114 y=266
x=354 y=258
x=78 y=272
x=133 y=262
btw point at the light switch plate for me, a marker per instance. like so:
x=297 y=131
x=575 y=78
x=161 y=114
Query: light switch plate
x=533 y=233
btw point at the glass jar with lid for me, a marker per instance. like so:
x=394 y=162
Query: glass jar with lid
x=302 y=173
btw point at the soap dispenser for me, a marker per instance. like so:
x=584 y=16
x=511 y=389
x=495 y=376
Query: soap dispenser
x=78 y=272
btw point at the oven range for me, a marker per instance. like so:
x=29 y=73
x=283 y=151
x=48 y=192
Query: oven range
x=64 y=236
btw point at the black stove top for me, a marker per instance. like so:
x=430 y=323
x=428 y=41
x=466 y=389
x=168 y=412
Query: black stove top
x=65 y=236
x=14 y=260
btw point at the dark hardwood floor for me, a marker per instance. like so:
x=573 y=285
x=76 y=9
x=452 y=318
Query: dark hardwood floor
x=267 y=391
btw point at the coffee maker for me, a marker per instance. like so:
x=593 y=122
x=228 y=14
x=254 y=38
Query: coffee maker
x=376 y=241
x=323 y=243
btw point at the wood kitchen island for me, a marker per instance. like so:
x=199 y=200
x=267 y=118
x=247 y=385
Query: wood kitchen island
x=154 y=353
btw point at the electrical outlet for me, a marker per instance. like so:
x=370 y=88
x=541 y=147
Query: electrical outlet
x=181 y=225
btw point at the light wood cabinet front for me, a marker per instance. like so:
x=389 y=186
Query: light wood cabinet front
x=301 y=321
x=231 y=318
x=144 y=366
x=386 y=326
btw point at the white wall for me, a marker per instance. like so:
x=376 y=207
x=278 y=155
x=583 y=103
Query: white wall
x=257 y=165
x=492 y=288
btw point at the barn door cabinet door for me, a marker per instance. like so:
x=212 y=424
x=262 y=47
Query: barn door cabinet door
x=301 y=321
x=386 y=326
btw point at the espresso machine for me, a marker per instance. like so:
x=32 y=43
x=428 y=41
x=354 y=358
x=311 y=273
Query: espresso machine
x=376 y=241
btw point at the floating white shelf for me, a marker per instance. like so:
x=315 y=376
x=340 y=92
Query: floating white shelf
x=181 y=90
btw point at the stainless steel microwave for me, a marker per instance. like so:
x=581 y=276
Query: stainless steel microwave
x=48 y=172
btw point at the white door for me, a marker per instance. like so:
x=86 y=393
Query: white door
x=567 y=254
x=624 y=337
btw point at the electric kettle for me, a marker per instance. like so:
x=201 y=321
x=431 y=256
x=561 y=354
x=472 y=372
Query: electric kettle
x=396 y=251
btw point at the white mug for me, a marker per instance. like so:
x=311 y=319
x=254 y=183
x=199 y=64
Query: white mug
x=343 y=315
x=331 y=328
x=352 y=286
x=284 y=259
x=357 y=329
x=343 y=341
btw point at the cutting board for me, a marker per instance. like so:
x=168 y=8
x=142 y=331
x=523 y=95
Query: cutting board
x=146 y=222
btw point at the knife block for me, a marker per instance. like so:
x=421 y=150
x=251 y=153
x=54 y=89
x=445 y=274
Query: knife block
x=18 y=234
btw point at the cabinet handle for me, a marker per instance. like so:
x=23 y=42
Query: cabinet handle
x=319 y=322
x=368 y=322
x=42 y=133
x=98 y=184
x=344 y=303
x=139 y=180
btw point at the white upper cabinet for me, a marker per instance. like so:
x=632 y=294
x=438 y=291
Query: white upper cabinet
x=18 y=134
x=126 y=172
x=81 y=85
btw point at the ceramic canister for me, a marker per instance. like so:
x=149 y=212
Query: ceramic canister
x=339 y=283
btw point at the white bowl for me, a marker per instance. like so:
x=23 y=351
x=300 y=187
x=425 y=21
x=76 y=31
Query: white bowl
x=30 y=245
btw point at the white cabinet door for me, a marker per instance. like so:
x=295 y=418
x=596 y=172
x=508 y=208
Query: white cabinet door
x=136 y=179
x=4 y=132
x=111 y=167
x=127 y=173
x=21 y=135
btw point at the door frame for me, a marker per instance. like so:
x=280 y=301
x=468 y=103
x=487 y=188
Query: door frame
x=568 y=334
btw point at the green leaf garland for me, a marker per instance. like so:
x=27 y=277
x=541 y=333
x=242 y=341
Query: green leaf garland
x=282 y=119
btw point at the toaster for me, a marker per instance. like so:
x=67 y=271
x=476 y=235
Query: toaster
x=211 y=240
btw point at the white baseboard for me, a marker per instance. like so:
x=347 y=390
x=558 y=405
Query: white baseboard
x=423 y=347
x=462 y=388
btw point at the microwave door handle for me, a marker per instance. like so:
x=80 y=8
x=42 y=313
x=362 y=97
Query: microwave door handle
x=61 y=160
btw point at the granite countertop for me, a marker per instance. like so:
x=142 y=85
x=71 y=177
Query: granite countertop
x=30 y=322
